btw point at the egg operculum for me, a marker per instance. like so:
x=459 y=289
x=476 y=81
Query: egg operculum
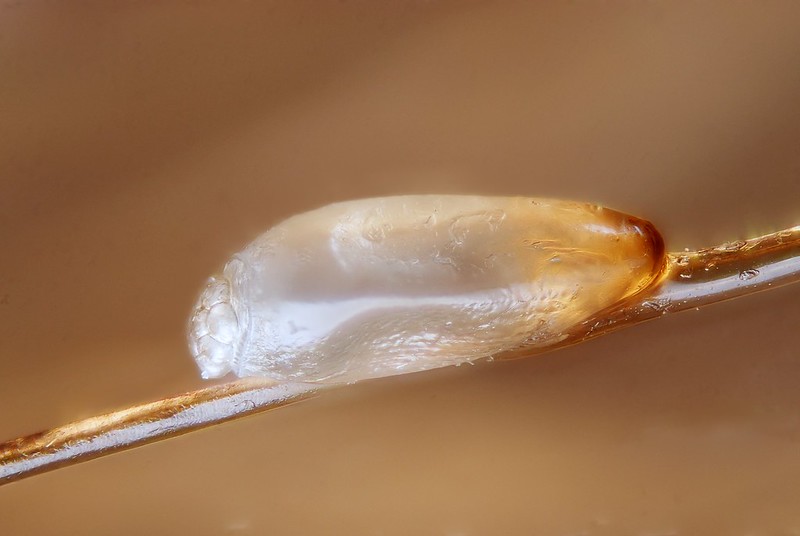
x=214 y=329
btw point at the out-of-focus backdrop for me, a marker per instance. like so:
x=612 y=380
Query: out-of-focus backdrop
x=141 y=143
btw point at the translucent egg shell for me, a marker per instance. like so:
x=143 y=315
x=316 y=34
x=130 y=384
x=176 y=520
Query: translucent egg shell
x=386 y=286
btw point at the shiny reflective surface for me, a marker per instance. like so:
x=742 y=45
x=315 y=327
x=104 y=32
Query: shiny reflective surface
x=140 y=424
x=386 y=286
x=144 y=143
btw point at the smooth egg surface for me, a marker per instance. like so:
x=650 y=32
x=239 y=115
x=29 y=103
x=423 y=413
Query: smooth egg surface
x=386 y=286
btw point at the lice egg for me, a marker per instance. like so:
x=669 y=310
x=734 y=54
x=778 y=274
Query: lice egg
x=387 y=286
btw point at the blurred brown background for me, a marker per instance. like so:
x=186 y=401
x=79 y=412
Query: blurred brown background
x=141 y=143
